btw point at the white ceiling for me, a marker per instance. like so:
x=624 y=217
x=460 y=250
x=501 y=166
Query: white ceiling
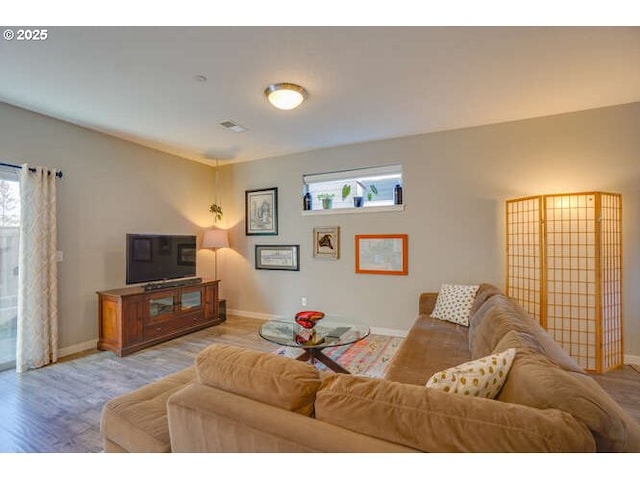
x=364 y=83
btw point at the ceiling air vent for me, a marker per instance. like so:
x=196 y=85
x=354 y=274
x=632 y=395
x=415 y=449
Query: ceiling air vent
x=231 y=125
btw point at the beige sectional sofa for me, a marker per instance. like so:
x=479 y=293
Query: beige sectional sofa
x=239 y=400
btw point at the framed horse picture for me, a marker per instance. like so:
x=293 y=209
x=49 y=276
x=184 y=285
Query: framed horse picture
x=326 y=242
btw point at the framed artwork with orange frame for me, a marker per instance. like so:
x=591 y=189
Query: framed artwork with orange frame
x=384 y=254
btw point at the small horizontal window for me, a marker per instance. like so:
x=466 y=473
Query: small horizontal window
x=358 y=188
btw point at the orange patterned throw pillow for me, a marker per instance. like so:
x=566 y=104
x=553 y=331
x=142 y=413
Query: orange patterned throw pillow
x=483 y=377
x=454 y=303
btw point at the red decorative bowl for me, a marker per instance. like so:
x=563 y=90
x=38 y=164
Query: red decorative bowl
x=308 y=318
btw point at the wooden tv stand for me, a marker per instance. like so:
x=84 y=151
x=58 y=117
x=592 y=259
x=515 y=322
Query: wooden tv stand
x=133 y=318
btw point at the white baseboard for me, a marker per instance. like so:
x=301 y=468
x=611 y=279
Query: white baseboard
x=77 y=348
x=390 y=332
x=631 y=359
x=266 y=316
x=243 y=313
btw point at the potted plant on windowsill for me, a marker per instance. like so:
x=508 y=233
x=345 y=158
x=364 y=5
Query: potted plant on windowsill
x=326 y=199
x=358 y=198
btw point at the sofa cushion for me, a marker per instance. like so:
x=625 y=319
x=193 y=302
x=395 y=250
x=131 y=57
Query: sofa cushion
x=137 y=421
x=279 y=381
x=482 y=377
x=497 y=316
x=434 y=421
x=538 y=382
x=430 y=346
x=500 y=315
x=484 y=293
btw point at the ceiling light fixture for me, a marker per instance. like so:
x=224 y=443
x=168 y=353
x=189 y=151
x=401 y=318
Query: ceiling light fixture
x=285 y=96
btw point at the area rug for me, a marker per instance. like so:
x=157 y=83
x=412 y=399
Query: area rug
x=635 y=367
x=370 y=357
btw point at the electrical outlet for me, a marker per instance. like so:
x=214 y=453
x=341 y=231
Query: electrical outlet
x=303 y=301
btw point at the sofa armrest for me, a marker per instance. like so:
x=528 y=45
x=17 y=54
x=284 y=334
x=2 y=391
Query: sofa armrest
x=207 y=419
x=427 y=303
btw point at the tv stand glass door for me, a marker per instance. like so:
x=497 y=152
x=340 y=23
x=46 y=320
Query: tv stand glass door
x=160 y=305
x=190 y=299
x=169 y=303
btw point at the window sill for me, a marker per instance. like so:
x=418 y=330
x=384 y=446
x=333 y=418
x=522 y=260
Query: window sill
x=340 y=211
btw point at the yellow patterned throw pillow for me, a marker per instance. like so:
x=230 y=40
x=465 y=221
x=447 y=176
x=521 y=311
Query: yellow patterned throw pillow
x=483 y=377
x=454 y=303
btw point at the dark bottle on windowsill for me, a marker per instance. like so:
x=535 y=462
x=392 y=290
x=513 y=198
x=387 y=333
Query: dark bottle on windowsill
x=306 y=201
x=397 y=195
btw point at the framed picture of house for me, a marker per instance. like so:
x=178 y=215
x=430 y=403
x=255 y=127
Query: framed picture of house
x=382 y=254
x=261 y=211
x=326 y=242
x=277 y=257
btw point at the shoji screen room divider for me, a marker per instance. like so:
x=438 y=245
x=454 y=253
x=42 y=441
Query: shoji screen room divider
x=564 y=266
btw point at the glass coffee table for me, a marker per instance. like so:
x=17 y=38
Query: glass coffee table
x=328 y=332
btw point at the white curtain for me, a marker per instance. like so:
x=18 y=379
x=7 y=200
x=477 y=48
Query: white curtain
x=37 y=332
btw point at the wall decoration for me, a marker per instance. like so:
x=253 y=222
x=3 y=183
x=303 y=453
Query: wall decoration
x=382 y=254
x=326 y=242
x=277 y=257
x=261 y=211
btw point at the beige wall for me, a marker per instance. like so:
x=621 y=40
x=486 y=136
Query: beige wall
x=456 y=183
x=109 y=188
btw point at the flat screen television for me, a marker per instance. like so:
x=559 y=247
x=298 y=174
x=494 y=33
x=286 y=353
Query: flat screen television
x=153 y=258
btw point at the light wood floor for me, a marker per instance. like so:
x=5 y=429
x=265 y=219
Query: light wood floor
x=57 y=408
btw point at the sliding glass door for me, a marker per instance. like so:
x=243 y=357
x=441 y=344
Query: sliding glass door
x=9 y=243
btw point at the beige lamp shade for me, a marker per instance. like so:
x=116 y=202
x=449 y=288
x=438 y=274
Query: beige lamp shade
x=215 y=239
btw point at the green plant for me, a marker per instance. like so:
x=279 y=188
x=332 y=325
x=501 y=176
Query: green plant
x=326 y=196
x=371 y=190
x=216 y=210
x=346 y=190
x=326 y=199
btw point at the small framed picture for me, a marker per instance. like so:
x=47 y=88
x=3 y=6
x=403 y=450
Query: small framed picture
x=326 y=242
x=277 y=257
x=261 y=210
x=382 y=254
